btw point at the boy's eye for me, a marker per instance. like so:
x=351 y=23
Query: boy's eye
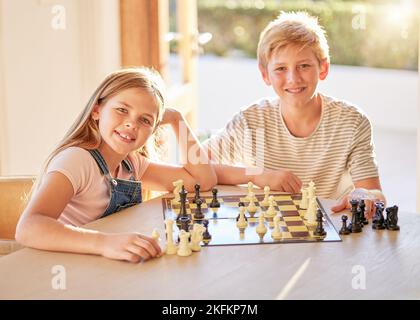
x=281 y=69
x=123 y=110
x=304 y=66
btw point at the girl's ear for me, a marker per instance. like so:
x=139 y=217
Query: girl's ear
x=324 y=69
x=95 y=112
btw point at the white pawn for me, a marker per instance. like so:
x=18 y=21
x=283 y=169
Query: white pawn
x=304 y=201
x=250 y=195
x=178 y=186
x=156 y=235
x=271 y=211
x=261 y=228
x=184 y=249
x=265 y=201
x=171 y=248
x=197 y=237
x=241 y=223
x=252 y=208
x=311 y=212
x=276 y=234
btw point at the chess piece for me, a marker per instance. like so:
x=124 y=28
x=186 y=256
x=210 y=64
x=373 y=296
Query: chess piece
x=242 y=223
x=392 y=218
x=311 y=190
x=206 y=234
x=362 y=218
x=271 y=211
x=378 y=221
x=252 y=208
x=198 y=212
x=184 y=249
x=355 y=221
x=344 y=229
x=276 y=234
x=319 y=231
x=171 y=248
x=261 y=228
x=250 y=197
x=304 y=201
x=197 y=193
x=183 y=215
x=265 y=202
x=155 y=235
x=214 y=202
x=310 y=214
x=197 y=237
x=178 y=185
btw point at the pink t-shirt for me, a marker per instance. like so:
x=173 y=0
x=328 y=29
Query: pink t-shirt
x=91 y=188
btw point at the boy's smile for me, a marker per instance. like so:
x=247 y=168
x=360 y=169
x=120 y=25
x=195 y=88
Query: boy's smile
x=294 y=74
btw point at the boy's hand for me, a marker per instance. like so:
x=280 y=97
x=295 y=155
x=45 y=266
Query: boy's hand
x=374 y=196
x=279 y=180
x=132 y=247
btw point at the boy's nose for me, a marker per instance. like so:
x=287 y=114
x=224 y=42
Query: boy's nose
x=293 y=76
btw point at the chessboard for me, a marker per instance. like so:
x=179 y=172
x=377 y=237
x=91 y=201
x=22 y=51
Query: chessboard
x=222 y=221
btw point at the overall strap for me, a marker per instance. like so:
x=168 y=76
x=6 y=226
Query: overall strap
x=100 y=161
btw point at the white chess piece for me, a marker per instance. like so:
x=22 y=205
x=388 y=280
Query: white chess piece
x=311 y=190
x=265 y=201
x=252 y=208
x=304 y=201
x=178 y=186
x=184 y=249
x=250 y=197
x=261 y=228
x=241 y=223
x=156 y=235
x=171 y=248
x=276 y=234
x=271 y=211
x=197 y=237
x=311 y=212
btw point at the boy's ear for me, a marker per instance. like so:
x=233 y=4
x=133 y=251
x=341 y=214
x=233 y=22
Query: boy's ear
x=324 y=69
x=264 y=74
x=95 y=112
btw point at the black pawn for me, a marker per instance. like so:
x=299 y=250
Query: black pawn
x=362 y=218
x=198 y=213
x=241 y=204
x=378 y=221
x=344 y=229
x=214 y=202
x=197 y=193
x=319 y=231
x=206 y=234
x=355 y=222
x=392 y=218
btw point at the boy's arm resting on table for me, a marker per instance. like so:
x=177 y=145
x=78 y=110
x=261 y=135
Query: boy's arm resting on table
x=277 y=180
x=372 y=186
x=38 y=227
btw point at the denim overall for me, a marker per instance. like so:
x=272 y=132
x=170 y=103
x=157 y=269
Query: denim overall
x=124 y=193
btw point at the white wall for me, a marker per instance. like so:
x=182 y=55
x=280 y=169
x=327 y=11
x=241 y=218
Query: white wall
x=48 y=74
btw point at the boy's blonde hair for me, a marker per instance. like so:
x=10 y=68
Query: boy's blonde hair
x=85 y=133
x=297 y=28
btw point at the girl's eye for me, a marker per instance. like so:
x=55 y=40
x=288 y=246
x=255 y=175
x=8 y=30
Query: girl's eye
x=146 y=121
x=123 y=110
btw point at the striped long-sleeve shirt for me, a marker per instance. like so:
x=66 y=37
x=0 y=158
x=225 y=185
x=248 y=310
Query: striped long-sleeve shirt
x=340 y=148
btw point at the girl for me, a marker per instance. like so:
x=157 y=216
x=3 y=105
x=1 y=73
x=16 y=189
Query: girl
x=95 y=170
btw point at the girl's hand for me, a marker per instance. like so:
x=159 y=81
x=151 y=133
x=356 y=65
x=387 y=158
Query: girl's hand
x=132 y=247
x=170 y=116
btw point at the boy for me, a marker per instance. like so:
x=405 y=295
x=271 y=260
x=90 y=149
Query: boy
x=301 y=135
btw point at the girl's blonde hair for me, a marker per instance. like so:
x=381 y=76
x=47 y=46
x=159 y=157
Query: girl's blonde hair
x=84 y=132
x=298 y=28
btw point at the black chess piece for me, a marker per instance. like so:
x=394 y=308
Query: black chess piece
x=198 y=212
x=362 y=218
x=214 y=202
x=183 y=209
x=378 y=221
x=319 y=231
x=392 y=218
x=344 y=229
x=206 y=234
x=197 y=193
x=355 y=222
x=241 y=204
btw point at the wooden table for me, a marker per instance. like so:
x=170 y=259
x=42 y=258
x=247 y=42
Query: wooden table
x=370 y=265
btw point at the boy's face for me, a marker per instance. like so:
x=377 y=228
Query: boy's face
x=294 y=74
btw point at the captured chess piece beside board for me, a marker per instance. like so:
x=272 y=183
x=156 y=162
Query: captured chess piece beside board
x=271 y=217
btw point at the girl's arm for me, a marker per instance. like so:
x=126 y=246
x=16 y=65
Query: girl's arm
x=195 y=165
x=38 y=227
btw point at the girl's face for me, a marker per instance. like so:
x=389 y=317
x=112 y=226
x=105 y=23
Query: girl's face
x=127 y=120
